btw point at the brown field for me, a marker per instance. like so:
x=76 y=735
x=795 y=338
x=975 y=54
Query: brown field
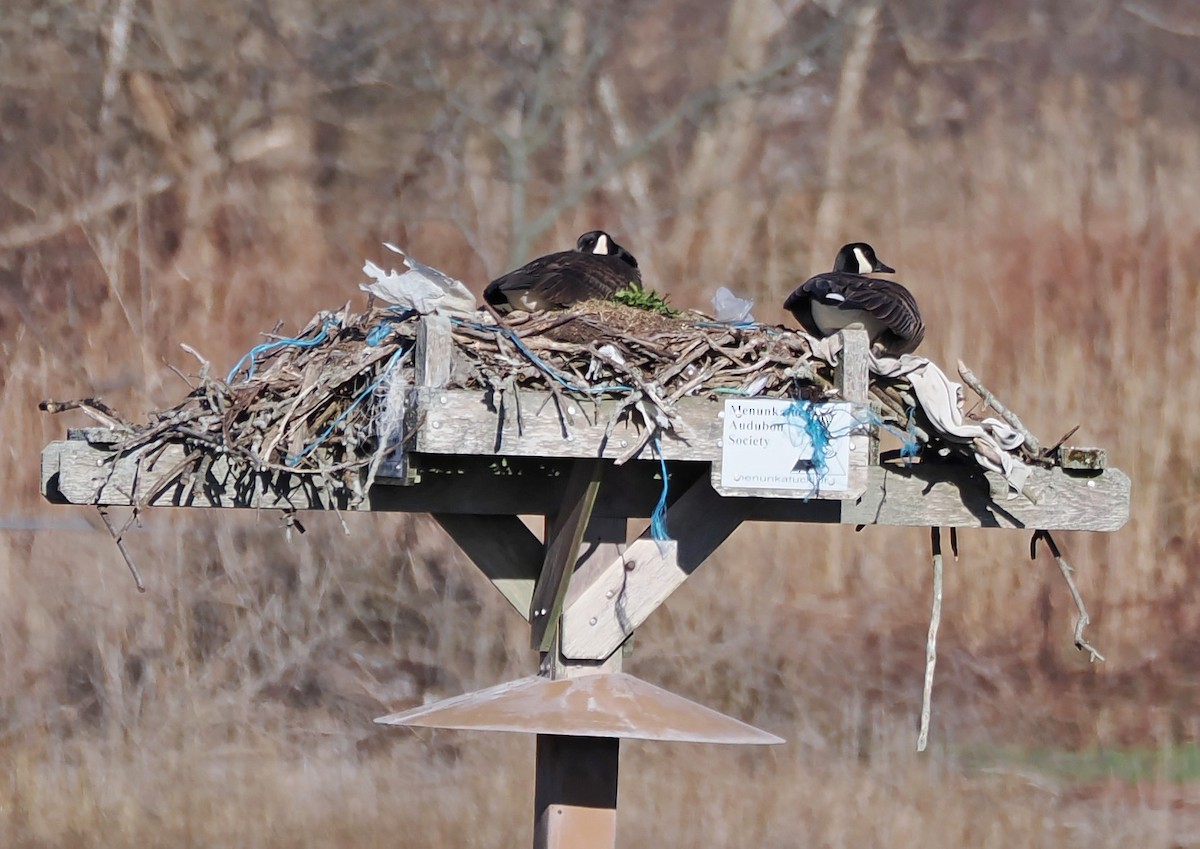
x=179 y=172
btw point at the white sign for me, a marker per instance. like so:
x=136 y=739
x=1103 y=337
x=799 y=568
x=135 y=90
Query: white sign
x=780 y=444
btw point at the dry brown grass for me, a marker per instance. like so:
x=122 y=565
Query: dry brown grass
x=1051 y=238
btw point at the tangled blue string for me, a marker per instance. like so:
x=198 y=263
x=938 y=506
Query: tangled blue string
x=266 y=347
x=658 y=519
x=382 y=330
x=910 y=446
x=362 y=396
x=740 y=325
x=810 y=420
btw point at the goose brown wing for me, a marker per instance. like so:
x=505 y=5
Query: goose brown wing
x=563 y=279
x=799 y=304
x=893 y=305
x=586 y=276
x=889 y=302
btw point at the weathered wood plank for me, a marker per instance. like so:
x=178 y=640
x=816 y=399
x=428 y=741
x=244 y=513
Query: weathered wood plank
x=78 y=472
x=434 y=351
x=506 y=551
x=952 y=494
x=853 y=372
x=964 y=496
x=621 y=597
x=563 y=538
x=462 y=422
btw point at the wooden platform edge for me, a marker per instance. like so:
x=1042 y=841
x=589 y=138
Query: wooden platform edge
x=950 y=495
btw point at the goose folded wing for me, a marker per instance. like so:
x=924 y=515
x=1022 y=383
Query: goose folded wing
x=889 y=302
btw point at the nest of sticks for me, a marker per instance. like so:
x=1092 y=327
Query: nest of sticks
x=310 y=404
x=300 y=404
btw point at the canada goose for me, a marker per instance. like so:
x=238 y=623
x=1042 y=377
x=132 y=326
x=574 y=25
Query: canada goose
x=826 y=303
x=597 y=268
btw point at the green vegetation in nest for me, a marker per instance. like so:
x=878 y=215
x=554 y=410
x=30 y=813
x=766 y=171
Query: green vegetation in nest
x=636 y=296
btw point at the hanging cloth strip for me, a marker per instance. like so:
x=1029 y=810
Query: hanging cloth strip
x=992 y=440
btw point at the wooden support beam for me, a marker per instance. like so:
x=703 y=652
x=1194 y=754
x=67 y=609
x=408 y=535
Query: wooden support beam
x=433 y=361
x=563 y=537
x=630 y=588
x=506 y=551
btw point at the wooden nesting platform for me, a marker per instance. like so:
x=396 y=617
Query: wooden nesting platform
x=500 y=449
x=555 y=416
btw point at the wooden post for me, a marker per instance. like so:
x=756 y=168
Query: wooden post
x=575 y=795
x=575 y=783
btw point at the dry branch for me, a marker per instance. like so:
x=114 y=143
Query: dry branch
x=935 y=619
x=119 y=539
x=992 y=401
x=1065 y=568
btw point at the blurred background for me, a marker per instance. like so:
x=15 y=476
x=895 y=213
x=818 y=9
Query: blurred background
x=174 y=171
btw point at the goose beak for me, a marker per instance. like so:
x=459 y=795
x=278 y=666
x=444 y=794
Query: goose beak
x=880 y=268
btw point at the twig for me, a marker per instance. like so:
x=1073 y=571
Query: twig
x=935 y=619
x=1008 y=415
x=1063 y=566
x=93 y=408
x=118 y=539
x=205 y=365
x=181 y=375
x=1062 y=441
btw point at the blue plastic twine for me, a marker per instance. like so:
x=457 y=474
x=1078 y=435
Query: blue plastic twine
x=658 y=519
x=382 y=330
x=362 y=396
x=804 y=416
x=266 y=347
x=910 y=446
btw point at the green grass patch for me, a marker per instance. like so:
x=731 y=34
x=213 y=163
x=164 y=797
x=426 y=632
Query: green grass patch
x=634 y=295
x=1175 y=763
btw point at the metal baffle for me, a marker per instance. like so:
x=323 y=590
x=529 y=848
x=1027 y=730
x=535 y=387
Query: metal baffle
x=579 y=723
x=606 y=704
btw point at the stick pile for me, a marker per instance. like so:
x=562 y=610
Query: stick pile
x=310 y=404
x=606 y=348
x=299 y=404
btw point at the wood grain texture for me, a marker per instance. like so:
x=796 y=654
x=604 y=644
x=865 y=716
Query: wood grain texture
x=563 y=538
x=621 y=597
x=952 y=494
x=853 y=372
x=78 y=472
x=502 y=547
x=434 y=351
x=963 y=496
x=463 y=422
